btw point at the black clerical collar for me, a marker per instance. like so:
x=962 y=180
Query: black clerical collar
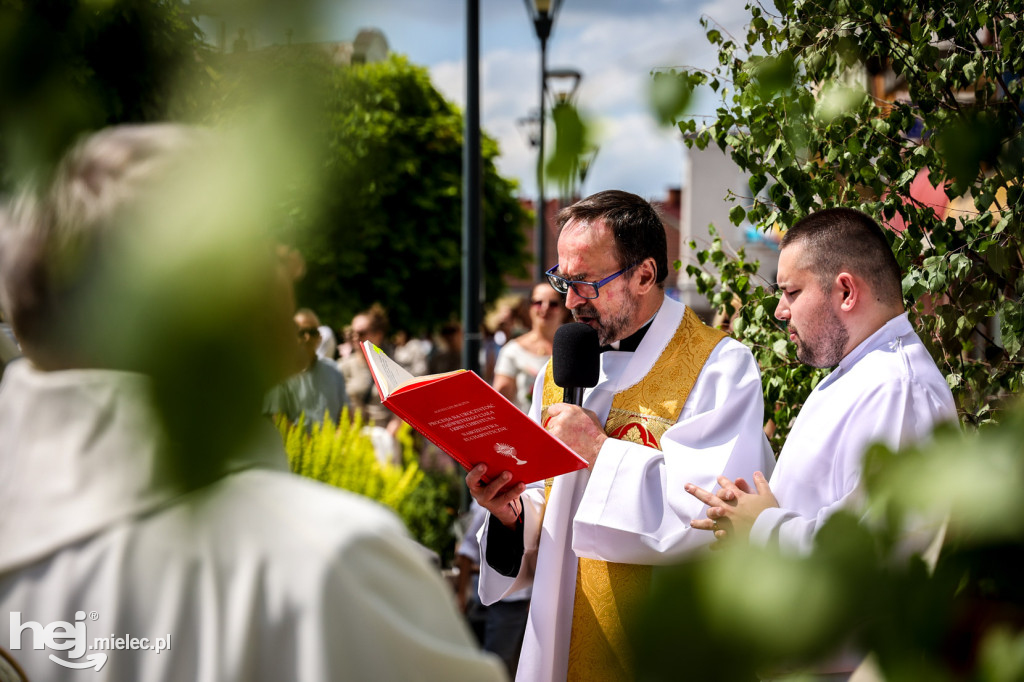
x=631 y=342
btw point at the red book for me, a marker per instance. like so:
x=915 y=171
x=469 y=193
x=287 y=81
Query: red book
x=470 y=421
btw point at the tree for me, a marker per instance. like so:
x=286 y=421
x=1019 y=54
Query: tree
x=390 y=227
x=796 y=112
x=67 y=66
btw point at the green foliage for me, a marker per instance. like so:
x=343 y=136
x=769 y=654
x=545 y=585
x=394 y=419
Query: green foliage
x=431 y=510
x=753 y=612
x=572 y=140
x=342 y=455
x=796 y=114
x=670 y=94
x=68 y=66
x=750 y=305
x=390 y=227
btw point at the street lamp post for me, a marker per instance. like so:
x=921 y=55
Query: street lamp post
x=542 y=12
x=472 y=217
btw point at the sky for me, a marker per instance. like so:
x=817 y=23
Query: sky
x=614 y=44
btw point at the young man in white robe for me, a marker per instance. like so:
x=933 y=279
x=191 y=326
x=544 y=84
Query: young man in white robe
x=841 y=296
x=107 y=561
x=840 y=293
x=676 y=401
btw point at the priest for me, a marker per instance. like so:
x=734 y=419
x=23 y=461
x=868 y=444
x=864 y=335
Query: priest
x=676 y=402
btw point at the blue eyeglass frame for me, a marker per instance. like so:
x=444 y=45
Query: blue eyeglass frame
x=553 y=279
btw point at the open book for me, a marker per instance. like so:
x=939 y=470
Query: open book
x=470 y=421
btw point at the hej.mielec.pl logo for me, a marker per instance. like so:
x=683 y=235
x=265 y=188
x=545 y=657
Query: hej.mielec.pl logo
x=74 y=639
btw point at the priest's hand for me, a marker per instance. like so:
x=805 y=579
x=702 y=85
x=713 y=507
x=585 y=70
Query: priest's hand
x=504 y=505
x=733 y=509
x=579 y=429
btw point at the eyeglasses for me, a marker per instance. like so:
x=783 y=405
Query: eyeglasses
x=588 y=290
x=539 y=302
x=305 y=332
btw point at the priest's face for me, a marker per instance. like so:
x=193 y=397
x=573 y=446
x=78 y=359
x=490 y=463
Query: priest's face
x=587 y=252
x=814 y=325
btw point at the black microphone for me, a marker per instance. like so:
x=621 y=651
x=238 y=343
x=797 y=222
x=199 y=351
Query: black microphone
x=575 y=360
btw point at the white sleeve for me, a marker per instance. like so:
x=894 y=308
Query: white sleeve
x=634 y=509
x=896 y=414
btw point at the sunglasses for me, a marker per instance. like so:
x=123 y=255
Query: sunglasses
x=305 y=332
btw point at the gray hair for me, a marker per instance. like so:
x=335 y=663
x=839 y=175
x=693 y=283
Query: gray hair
x=51 y=237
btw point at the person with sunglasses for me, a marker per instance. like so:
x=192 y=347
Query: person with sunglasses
x=675 y=401
x=521 y=359
x=317 y=389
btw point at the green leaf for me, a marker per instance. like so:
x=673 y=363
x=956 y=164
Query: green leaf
x=669 y=94
x=998 y=259
x=571 y=142
x=906 y=176
x=736 y=215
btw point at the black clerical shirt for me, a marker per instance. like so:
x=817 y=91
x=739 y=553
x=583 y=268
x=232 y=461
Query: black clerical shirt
x=505 y=547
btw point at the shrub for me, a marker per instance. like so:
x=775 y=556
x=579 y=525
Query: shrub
x=342 y=455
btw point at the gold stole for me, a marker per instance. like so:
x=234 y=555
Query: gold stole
x=608 y=594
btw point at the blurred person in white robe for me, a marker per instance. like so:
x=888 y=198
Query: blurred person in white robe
x=676 y=401
x=142 y=497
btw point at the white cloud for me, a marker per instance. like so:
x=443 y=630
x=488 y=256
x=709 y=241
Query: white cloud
x=615 y=46
x=450 y=79
x=638 y=156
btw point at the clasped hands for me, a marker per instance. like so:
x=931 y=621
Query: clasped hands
x=733 y=509
x=579 y=429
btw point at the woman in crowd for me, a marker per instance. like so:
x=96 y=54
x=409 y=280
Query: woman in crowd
x=520 y=359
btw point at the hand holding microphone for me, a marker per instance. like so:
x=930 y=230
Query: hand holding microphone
x=575 y=363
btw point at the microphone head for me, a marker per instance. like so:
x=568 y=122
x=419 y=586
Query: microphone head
x=576 y=356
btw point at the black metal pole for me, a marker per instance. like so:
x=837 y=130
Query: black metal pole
x=541 y=235
x=472 y=247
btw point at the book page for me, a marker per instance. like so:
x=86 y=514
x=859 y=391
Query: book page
x=388 y=373
x=425 y=379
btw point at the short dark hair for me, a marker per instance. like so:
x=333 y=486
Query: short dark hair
x=635 y=224
x=837 y=239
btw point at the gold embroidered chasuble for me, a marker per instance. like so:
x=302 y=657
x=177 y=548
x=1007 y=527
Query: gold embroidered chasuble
x=607 y=594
